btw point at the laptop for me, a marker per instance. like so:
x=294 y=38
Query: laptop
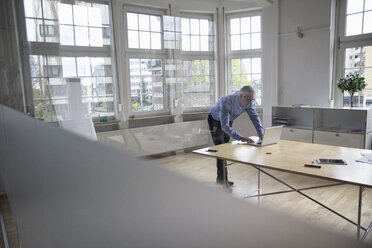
x=271 y=136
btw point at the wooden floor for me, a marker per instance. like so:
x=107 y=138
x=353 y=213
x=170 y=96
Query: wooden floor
x=343 y=199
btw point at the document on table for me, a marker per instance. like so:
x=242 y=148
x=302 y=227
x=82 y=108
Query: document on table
x=367 y=158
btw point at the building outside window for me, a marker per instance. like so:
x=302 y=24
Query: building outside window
x=245 y=52
x=70 y=41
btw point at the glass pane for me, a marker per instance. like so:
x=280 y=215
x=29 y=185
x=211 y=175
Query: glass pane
x=155 y=23
x=256 y=41
x=168 y=23
x=52 y=31
x=145 y=40
x=185 y=42
x=80 y=15
x=185 y=26
x=32 y=8
x=246 y=41
x=195 y=43
x=133 y=39
x=368 y=5
x=50 y=8
x=367 y=26
x=65 y=13
x=195 y=29
x=83 y=64
x=196 y=69
x=40 y=88
x=256 y=65
x=368 y=56
x=235 y=42
x=35 y=29
x=42 y=109
x=256 y=23
x=132 y=21
x=354 y=6
x=96 y=37
x=354 y=24
x=235 y=66
x=104 y=9
x=68 y=67
x=155 y=41
x=204 y=27
x=81 y=36
x=134 y=67
x=144 y=22
x=95 y=18
x=204 y=43
x=37 y=66
x=245 y=25
x=178 y=25
x=54 y=70
x=66 y=35
x=235 y=26
x=246 y=66
x=352 y=57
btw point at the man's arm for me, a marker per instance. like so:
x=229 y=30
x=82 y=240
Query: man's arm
x=252 y=113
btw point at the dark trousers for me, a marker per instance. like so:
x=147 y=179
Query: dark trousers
x=219 y=137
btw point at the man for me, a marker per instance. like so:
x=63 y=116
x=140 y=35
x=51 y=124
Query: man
x=221 y=117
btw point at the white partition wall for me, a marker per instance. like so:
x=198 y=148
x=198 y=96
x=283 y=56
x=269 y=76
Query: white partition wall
x=66 y=191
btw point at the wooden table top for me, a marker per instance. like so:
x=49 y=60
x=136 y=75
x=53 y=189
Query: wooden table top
x=290 y=156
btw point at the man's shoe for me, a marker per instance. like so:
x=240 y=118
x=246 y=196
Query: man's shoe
x=229 y=183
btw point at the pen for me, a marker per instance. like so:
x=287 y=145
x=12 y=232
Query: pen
x=313 y=166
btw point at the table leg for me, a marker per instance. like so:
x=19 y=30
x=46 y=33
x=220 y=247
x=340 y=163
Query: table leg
x=359 y=210
x=224 y=174
x=258 y=184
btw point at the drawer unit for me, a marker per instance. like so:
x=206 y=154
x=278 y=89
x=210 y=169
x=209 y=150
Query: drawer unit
x=339 y=139
x=297 y=134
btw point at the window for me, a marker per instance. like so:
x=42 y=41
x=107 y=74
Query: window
x=146 y=78
x=245 y=33
x=57 y=30
x=198 y=62
x=245 y=53
x=163 y=51
x=144 y=31
x=359 y=60
x=197 y=34
x=198 y=85
x=358 y=17
x=145 y=57
x=355 y=47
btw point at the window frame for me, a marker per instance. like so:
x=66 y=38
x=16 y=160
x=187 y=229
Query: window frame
x=202 y=55
x=138 y=53
x=344 y=42
x=241 y=54
x=53 y=49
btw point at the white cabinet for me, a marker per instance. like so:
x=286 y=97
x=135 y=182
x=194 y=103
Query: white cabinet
x=297 y=134
x=339 y=139
x=348 y=127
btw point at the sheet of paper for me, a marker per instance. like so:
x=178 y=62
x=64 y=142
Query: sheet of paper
x=367 y=155
x=364 y=160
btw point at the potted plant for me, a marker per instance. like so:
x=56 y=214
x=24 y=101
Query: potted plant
x=351 y=83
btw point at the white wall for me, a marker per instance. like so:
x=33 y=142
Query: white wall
x=304 y=63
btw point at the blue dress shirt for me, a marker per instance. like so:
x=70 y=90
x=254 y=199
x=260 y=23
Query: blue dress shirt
x=228 y=109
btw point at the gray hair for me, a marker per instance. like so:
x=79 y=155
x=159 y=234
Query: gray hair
x=247 y=90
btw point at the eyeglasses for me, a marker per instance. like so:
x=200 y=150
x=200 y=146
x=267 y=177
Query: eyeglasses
x=249 y=99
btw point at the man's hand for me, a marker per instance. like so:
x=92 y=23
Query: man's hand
x=245 y=139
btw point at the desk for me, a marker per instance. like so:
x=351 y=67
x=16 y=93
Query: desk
x=290 y=156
